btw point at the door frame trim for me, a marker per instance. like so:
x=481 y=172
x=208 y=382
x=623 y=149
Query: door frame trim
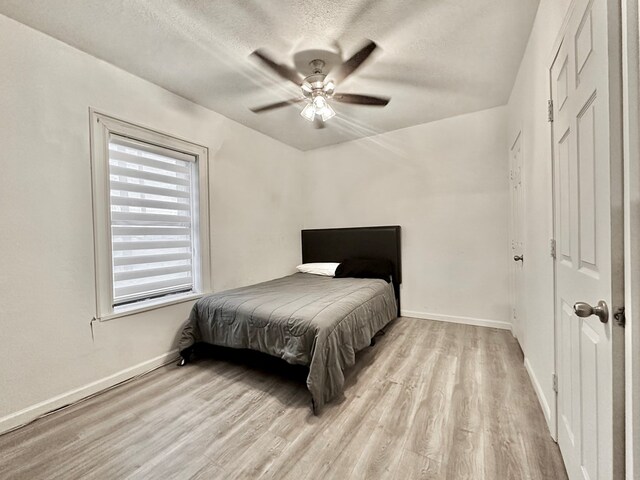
x=555 y=51
x=631 y=155
x=516 y=325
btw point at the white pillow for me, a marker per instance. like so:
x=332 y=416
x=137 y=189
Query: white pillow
x=327 y=269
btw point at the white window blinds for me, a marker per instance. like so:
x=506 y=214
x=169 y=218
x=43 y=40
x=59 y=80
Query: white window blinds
x=152 y=192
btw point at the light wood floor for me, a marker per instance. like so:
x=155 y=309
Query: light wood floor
x=430 y=400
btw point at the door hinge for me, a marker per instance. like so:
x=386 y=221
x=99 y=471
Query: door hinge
x=550 y=111
x=620 y=317
x=554 y=379
x=552 y=248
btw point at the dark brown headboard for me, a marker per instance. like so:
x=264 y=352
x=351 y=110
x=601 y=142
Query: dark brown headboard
x=338 y=244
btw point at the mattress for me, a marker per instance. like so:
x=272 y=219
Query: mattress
x=304 y=319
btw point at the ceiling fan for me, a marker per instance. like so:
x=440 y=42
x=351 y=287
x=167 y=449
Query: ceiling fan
x=319 y=87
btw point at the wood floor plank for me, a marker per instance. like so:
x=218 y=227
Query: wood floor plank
x=417 y=467
x=430 y=400
x=383 y=447
x=210 y=472
x=334 y=432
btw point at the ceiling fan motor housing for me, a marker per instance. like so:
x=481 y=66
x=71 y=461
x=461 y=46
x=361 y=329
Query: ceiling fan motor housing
x=317 y=65
x=314 y=85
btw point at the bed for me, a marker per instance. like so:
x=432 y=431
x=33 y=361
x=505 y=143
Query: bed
x=305 y=319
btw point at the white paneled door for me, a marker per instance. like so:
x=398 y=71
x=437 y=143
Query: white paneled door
x=588 y=258
x=517 y=235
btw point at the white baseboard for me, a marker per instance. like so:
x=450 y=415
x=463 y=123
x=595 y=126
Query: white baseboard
x=478 y=322
x=32 y=412
x=546 y=409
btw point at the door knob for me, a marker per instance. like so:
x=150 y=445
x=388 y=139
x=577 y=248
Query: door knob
x=584 y=310
x=518 y=258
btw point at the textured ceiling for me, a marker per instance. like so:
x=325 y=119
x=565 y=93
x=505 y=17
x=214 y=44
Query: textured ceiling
x=437 y=58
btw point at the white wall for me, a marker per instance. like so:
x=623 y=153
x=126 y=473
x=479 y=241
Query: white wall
x=527 y=112
x=446 y=184
x=47 y=296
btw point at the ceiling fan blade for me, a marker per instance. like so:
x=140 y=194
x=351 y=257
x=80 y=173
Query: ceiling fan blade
x=273 y=106
x=361 y=99
x=353 y=63
x=318 y=123
x=281 y=70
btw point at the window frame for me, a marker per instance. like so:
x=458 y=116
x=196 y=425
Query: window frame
x=102 y=127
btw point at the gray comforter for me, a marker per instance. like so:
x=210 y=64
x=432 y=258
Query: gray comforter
x=304 y=319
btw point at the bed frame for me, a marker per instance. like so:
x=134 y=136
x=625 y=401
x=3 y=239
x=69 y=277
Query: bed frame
x=338 y=244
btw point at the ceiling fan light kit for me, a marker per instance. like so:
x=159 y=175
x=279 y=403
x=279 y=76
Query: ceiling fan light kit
x=318 y=88
x=316 y=93
x=318 y=106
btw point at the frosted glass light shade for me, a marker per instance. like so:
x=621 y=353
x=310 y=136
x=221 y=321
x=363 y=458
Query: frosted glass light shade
x=309 y=112
x=327 y=113
x=319 y=102
x=329 y=87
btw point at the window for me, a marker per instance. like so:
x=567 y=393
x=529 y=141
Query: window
x=151 y=220
x=150 y=217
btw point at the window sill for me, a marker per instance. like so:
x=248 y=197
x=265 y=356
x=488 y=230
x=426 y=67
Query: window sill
x=148 y=305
